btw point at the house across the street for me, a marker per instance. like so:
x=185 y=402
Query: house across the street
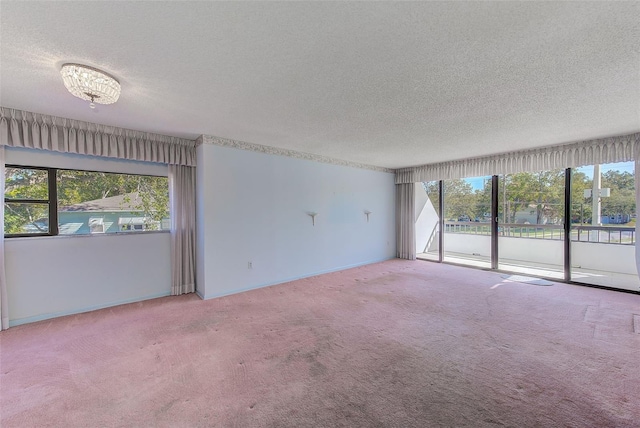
x=121 y=213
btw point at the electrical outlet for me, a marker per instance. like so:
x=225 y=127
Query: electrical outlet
x=250 y=265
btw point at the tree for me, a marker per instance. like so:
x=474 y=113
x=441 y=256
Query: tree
x=580 y=207
x=543 y=191
x=623 y=198
x=459 y=199
x=153 y=193
x=483 y=201
x=618 y=179
x=25 y=184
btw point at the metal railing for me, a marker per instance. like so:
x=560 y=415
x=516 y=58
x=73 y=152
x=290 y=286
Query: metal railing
x=595 y=234
x=604 y=234
x=533 y=231
x=468 y=227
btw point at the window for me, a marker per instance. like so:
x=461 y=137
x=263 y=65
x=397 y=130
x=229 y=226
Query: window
x=131 y=227
x=96 y=225
x=131 y=224
x=28 y=196
x=50 y=201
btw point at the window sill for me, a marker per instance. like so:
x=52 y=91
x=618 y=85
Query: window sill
x=70 y=236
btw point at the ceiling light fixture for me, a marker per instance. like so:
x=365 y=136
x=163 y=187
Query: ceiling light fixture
x=90 y=84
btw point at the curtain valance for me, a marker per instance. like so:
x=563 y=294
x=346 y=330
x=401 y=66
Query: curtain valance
x=38 y=131
x=606 y=150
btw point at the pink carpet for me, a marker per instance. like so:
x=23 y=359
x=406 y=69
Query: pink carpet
x=395 y=344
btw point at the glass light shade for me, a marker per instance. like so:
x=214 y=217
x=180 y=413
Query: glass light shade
x=90 y=84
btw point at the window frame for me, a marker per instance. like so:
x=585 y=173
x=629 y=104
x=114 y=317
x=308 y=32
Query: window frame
x=52 y=201
x=96 y=221
x=132 y=228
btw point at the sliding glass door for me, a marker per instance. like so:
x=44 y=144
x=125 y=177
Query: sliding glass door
x=603 y=218
x=531 y=223
x=574 y=224
x=467 y=217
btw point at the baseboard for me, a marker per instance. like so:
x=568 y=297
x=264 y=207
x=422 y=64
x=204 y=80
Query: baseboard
x=36 y=318
x=284 y=280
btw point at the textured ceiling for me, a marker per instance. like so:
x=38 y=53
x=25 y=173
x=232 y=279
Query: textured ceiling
x=386 y=84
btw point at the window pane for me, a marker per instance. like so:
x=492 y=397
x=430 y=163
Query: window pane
x=25 y=183
x=25 y=218
x=531 y=223
x=603 y=219
x=467 y=214
x=99 y=202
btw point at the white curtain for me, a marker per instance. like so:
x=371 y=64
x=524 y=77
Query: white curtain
x=4 y=304
x=182 y=195
x=38 y=131
x=607 y=150
x=405 y=221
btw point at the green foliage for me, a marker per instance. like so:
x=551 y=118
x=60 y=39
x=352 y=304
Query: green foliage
x=542 y=192
x=580 y=207
x=26 y=184
x=622 y=199
x=460 y=199
x=16 y=216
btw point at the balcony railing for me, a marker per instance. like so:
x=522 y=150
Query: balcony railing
x=468 y=227
x=604 y=234
x=596 y=234
x=535 y=231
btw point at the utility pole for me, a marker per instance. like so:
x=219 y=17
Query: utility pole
x=504 y=198
x=596 y=207
x=596 y=193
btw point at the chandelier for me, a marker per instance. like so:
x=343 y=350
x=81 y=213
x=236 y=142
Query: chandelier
x=90 y=84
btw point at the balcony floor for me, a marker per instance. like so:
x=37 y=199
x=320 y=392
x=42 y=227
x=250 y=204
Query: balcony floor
x=578 y=274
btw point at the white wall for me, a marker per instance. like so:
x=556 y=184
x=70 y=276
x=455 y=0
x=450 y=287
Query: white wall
x=545 y=251
x=592 y=256
x=467 y=244
x=604 y=257
x=252 y=207
x=427 y=220
x=52 y=276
